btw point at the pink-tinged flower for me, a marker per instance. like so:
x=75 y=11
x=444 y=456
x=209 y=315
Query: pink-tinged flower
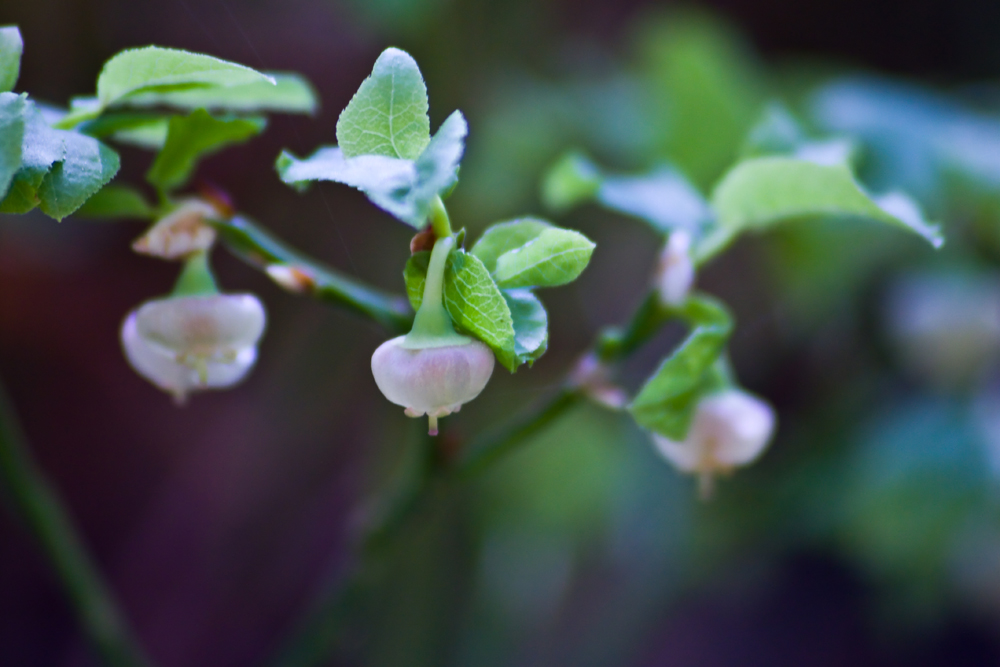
x=730 y=429
x=435 y=381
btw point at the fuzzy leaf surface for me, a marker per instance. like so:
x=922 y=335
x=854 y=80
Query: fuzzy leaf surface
x=405 y=188
x=11 y=137
x=388 y=114
x=59 y=170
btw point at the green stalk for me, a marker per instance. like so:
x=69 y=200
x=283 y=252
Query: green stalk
x=439 y=220
x=432 y=326
x=40 y=507
x=196 y=277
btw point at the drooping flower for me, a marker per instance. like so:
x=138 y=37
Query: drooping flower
x=191 y=343
x=432 y=370
x=181 y=233
x=730 y=429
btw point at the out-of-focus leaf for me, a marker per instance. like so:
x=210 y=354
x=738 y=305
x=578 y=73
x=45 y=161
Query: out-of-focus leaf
x=573 y=179
x=554 y=257
x=59 y=171
x=475 y=303
x=11 y=137
x=117 y=201
x=708 y=90
x=662 y=197
x=913 y=136
x=388 y=114
x=761 y=192
x=191 y=137
x=405 y=188
x=291 y=93
x=531 y=324
x=667 y=400
x=156 y=69
x=505 y=236
x=11 y=47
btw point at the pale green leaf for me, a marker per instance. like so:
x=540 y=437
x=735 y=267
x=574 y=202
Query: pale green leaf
x=11 y=47
x=404 y=188
x=667 y=400
x=531 y=324
x=573 y=179
x=291 y=93
x=761 y=192
x=151 y=135
x=117 y=202
x=475 y=303
x=505 y=236
x=555 y=257
x=156 y=69
x=661 y=197
x=388 y=114
x=191 y=137
x=11 y=137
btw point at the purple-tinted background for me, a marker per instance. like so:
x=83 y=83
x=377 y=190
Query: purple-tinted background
x=217 y=522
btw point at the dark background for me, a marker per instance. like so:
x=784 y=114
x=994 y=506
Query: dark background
x=218 y=522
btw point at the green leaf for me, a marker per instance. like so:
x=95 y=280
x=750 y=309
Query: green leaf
x=404 y=188
x=762 y=192
x=151 y=135
x=707 y=87
x=117 y=201
x=475 y=303
x=531 y=324
x=667 y=400
x=11 y=47
x=291 y=93
x=662 y=197
x=505 y=236
x=388 y=114
x=191 y=137
x=555 y=257
x=60 y=169
x=11 y=137
x=572 y=180
x=156 y=69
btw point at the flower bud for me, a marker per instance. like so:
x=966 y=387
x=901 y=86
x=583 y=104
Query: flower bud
x=181 y=233
x=189 y=343
x=675 y=273
x=730 y=429
x=435 y=381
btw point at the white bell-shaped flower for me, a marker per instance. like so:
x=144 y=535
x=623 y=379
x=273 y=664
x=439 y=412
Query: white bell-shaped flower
x=432 y=370
x=730 y=429
x=433 y=381
x=190 y=343
x=675 y=273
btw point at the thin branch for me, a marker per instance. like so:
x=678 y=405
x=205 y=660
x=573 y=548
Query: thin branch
x=298 y=273
x=39 y=505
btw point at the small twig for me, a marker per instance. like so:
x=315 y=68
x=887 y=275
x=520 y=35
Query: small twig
x=298 y=273
x=40 y=506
